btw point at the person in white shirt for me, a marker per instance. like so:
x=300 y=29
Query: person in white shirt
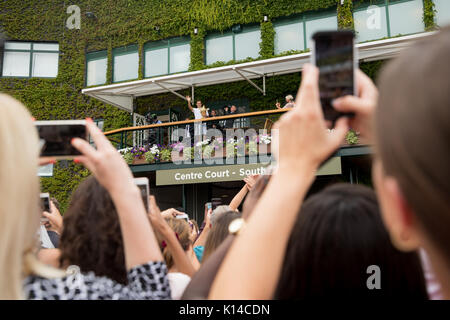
x=178 y=282
x=199 y=112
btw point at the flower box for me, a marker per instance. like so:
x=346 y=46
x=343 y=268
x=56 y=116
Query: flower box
x=139 y=160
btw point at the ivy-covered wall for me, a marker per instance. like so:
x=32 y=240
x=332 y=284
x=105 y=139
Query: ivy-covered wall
x=122 y=22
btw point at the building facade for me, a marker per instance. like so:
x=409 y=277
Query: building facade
x=55 y=49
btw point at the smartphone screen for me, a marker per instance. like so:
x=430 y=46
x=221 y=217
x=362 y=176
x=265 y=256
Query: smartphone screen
x=334 y=56
x=56 y=136
x=215 y=202
x=45 y=205
x=142 y=184
x=183 y=216
x=45 y=202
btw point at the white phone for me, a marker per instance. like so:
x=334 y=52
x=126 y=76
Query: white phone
x=183 y=216
x=56 y=135
x=144 y=189
x=45 y=204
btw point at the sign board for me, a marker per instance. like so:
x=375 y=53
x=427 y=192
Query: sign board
x=229 y=173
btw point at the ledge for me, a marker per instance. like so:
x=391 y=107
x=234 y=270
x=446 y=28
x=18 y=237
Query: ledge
x=346 y=151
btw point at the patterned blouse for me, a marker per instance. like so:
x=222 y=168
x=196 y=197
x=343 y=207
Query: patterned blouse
x=145 y=282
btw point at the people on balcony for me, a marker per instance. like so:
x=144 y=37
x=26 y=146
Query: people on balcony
x=289 y=102
x=229 y=123
x=152 y=133
x=214 y=124
x=200 y=112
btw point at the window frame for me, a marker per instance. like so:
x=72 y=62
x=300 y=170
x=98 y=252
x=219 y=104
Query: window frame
x=92 y=56
x=30 y=51
x=121 y=51
x=287 y=22
x=435 y=16
x=217 y=35
x=303 y=19
x=385 y=4
x=163 y=44
x=311 y=16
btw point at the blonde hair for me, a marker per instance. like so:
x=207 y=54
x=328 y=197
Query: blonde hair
x=183 y=232
x=19 y=198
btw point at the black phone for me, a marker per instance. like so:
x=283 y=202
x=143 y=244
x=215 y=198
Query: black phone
x=334 y=55
x=56 y=136
x=142 y=184
x=215 y=202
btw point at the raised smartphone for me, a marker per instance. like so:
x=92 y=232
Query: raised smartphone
x=142 y=184
x=45 y=204
x=56 y=136
x=333 y=53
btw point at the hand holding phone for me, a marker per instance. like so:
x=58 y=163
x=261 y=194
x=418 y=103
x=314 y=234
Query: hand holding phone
x=215 y=202
x=144 y=189
x=55 y=137
x=45 y=205
x=334 y=55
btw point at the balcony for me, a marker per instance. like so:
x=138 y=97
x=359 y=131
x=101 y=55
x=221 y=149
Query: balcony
x=241 y=141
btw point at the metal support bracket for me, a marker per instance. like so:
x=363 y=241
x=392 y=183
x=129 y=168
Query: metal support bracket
x=263 y=90
x=168 y=89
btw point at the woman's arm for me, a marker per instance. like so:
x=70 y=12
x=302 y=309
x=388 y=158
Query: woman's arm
x=303 y=143
x=201 y=239
x=111 y=171
x=239 y=197
x=180 y=258
x=235 y=203
x=200 y=284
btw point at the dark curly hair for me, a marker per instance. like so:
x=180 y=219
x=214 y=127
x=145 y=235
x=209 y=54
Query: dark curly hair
x=91 y=237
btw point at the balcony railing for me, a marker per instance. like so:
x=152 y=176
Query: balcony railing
x=236 y=135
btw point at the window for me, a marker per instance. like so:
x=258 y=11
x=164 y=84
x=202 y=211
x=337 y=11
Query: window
x=96 y=65
x=28 y=59
x=180 y=56
x=405 y=17
x=246 y=44
x=166 y=57
x=442 y=8
x=296 y=34
x=289 y=37
x=320 y=24
x=370 y=23
x=219 y=49
x=125 y=63
x=156 y=62
x=238 y=45
x=100 y=123
x=388 y=18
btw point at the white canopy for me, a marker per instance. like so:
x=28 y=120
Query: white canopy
x=121 y=95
